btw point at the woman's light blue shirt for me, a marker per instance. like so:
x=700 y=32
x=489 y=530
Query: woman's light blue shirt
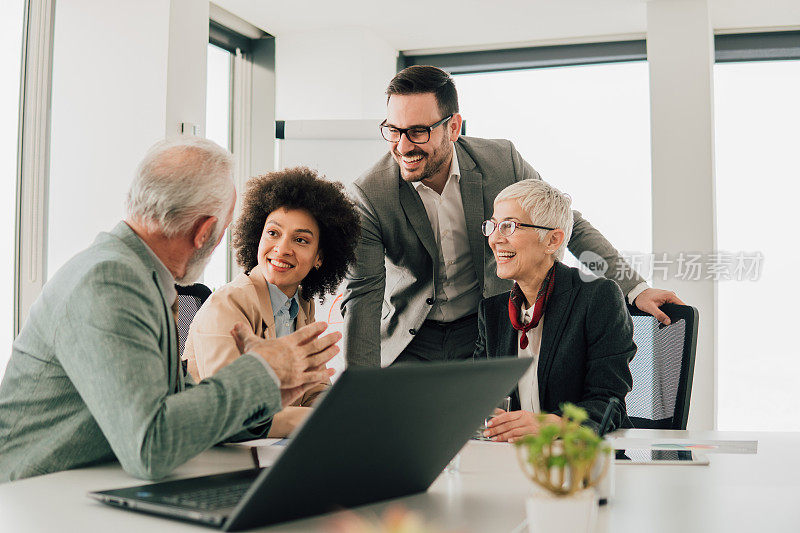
x=284 y=309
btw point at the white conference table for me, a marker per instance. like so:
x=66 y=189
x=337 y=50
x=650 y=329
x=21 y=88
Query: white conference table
x=756 y=492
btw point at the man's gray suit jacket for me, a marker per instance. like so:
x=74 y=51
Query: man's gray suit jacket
x=94 y=375
x=390 y=290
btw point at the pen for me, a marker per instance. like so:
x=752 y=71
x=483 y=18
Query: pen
x=607 y=415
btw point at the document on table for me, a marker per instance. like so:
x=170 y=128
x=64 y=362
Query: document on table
x=700 y=445
x=265 y=451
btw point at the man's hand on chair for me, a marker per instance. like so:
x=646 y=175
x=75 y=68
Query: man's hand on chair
x=649 y=301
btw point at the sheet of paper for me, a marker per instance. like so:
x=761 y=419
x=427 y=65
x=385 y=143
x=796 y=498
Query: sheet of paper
x=700 y=445
x=267 y=455
x=256 y=442
x=265 y=451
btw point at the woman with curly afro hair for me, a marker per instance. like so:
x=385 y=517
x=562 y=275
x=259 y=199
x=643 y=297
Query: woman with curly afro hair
x=295 y=238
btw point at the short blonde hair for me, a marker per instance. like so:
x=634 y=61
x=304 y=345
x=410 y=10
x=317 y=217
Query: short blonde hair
x=545 y=205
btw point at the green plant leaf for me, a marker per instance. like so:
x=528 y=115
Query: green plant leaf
x=565 y=451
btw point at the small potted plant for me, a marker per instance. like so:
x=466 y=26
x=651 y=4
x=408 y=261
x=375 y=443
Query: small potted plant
x=565 y=460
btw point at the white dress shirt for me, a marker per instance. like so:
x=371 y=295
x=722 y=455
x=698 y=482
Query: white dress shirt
x=457 y=290
x=529 y=382
x=636 y=291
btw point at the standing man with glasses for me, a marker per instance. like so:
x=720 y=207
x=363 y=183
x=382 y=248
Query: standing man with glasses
x=422 y=265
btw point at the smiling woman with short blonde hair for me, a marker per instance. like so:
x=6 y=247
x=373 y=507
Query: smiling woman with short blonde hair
x=578 y=332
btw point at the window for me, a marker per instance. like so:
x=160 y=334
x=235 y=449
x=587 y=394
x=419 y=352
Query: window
x=11 y=44
x=585 y=129
x=756 y=113
x=240 y=112
x=218 y=129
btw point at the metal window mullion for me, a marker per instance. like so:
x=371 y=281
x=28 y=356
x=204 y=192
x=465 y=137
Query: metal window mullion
x=531 y=57
x=33 y=157
x=227 y=39
x=241 y=139
x=762 y=46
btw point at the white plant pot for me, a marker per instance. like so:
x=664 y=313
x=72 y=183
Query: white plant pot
x=548 y=513
x=605 y=488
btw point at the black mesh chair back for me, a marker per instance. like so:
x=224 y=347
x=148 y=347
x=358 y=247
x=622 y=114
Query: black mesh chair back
x=662 y=368
x=190 y=298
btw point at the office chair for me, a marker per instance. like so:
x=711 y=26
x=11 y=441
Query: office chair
x=662 y=368
x=190 y=298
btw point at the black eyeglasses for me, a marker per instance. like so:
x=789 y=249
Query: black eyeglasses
x=417 y=134
x=506 y=227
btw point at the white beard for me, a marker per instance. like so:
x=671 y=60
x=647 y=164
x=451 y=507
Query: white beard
x=197 y=264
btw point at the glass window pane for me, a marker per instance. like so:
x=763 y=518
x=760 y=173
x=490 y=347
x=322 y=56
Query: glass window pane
x=11 y=45
x=218 y=96
x=585 y=129
x=218 y=117
x=757 y=111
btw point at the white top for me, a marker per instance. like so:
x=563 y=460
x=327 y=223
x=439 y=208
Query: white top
x=457 y=290
x=636 y=291
x=529 y=382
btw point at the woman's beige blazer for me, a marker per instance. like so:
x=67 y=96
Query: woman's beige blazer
x=210 y=346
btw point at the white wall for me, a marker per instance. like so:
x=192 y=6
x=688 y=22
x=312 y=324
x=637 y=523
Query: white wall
x=124 y=75
x=770 y=16
x=460 y=25
x=186 y=65
x=332 y=74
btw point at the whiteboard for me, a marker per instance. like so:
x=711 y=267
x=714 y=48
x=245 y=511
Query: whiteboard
x=337 y=159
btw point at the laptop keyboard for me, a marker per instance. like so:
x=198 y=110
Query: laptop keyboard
x=209 y=498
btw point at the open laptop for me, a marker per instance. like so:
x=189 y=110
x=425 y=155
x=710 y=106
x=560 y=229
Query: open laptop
x=376 y=434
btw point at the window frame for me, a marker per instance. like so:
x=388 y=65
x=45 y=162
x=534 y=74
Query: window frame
x=530 y=57
x=227 y=39
x=762 y=46
x=757 y=46
x=33 y=157
x=251 y=123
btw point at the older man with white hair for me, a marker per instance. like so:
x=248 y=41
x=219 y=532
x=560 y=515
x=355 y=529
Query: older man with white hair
x=95 y=375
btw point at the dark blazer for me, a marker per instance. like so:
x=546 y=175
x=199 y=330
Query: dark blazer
x=587 y=344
